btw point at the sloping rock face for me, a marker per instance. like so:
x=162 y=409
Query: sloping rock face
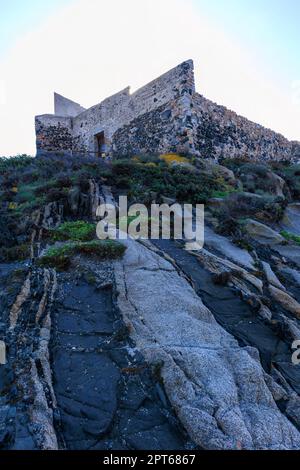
x=106 y=395
x=26 y=385
x=253 y=319
x=227 y=248
x=74 y=379
x=255 y=177
x=291 y=218
x=95 y=391
x=262 y=233
x=218 y=389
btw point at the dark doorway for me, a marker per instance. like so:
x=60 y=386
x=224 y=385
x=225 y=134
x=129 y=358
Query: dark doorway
x=100 y=145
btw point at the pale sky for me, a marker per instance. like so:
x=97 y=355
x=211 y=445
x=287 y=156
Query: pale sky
x=245 y=54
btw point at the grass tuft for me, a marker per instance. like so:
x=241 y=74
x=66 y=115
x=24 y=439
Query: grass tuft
x=60 y=257
x=290 y=236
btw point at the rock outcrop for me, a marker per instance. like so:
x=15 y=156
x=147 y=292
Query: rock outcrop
x=163 y=348
x=205 y=373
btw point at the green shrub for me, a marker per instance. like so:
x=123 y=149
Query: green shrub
x=222 y=194
x=182 y=183
x=228 y=226
x=234 y=163
x=56 y=258
x=60 y=257
x=11 y=163
x=25 y=193
x=290 y=236
x=102 y=249
x=56 y=195
x=258 y=178
x=75 y=231
x=59 y=185
x=257 y=169
x=266 y=208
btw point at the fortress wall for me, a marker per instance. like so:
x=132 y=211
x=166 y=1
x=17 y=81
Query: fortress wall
x=195 y=125
x=174 y=88
x=65 y=107
x=53 y=133
x=106 y=116
x=163 y=130
x=166 y=115
x=219 y=132
x=120 y=109
x=150 y=133
x=173 y=84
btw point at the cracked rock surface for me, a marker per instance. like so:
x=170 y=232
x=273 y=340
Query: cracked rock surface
x=85 y=385
x=218 y=389
x=105 y=391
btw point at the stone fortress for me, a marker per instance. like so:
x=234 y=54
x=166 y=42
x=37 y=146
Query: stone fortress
x=165 y=116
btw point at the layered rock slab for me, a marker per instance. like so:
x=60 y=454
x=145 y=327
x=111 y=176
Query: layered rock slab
x=107 y=397
x=217 y=388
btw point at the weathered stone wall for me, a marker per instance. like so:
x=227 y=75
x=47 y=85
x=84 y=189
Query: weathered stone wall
x=197 y=126
x=120 y=109
x=165 y=129
x=53 y=134
x=106 y=116
x=219 y=132
x=172 y=85
x=148 y=134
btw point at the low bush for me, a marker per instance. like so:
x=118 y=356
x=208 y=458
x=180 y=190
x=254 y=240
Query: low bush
x=75 y=231
x=265 y=208
x=11 y=163
x=56 y=195
x=60 y=256
x=290 y=236
x=29 y=206
x=177 y=182
x=25 y=192
x=171 y=158
x=234 y=163
x=228 y=226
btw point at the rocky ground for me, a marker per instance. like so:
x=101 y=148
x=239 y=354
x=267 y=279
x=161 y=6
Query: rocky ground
x=154 y=347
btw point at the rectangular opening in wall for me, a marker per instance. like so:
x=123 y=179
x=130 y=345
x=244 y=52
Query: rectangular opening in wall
x=100 y=145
